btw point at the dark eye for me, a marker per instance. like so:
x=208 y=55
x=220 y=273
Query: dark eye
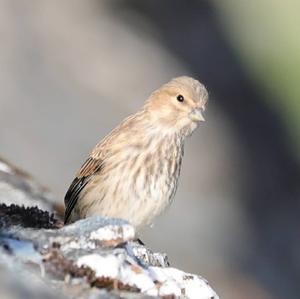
x=180 y=98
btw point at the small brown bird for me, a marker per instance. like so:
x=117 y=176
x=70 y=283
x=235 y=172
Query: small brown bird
x=133 y=172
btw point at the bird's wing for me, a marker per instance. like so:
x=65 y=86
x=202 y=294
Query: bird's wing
x=92 y=165
x=88 y=169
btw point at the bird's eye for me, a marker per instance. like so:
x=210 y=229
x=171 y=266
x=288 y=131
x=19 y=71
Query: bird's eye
x=180 y=98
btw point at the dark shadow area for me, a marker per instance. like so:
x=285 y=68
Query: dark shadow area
x=190 y=30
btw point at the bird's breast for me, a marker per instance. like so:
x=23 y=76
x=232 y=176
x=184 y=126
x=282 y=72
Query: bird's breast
x=159 y=171
x=138 y=185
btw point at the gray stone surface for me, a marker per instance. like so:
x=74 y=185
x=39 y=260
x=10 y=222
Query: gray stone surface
x=18 y=187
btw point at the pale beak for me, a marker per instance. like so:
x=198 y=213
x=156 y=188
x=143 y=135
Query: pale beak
x=196 y=115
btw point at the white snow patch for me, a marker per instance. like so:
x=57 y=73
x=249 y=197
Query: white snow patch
x=104 y=266
x=153 y=281
x=136 y=276
x=170 y=287
x=189 y=285
x=80 y=243
x=113 y=232
x=5 y=168
x=115 y=267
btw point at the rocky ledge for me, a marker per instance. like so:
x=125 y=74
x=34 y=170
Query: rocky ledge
x=92 y=258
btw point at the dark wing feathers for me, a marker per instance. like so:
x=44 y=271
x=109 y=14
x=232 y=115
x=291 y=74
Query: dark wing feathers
x=89 y=168
x=72 y=195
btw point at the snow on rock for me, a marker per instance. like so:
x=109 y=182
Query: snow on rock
x=92 y=258
x=180 y=283
x=114 y=232
x=118 y=267
x=97 y=252
x=100 y=252
x=153 y=281
x=104 y=266
x=91 y=232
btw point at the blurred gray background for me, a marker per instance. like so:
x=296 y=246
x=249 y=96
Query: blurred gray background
x=70 y=71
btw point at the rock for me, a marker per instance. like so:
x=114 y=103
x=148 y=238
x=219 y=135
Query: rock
x=18 y=187
x=92 y=258
x=98 y=252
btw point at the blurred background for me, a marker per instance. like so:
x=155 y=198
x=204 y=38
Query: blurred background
x=71 y=70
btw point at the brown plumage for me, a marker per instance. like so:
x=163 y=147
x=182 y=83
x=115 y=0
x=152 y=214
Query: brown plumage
x=133 y=172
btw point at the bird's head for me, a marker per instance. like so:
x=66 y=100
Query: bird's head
x=178 y=105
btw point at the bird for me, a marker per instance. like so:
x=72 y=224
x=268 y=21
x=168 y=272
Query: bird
x=133 y=172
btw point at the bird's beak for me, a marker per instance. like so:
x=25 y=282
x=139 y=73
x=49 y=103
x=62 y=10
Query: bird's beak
x=196 y=115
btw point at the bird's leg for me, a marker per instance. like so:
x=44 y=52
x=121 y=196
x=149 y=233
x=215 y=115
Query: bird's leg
x=139 y=241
